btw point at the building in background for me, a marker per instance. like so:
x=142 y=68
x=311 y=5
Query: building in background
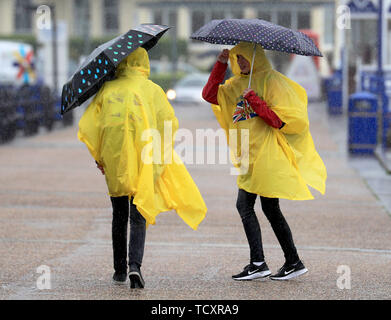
x=361 y=40
x=91 y=21
x=188 y=16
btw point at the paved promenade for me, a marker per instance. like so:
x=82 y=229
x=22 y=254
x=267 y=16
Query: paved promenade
x=54 y=211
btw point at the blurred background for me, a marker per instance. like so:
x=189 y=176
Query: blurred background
x=36 y=60
x=54 y=211
x=84 y=24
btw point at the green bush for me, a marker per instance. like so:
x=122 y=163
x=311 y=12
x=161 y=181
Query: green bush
x=161 y=49
x=166 y=80
x=77 y=46
x=164 y=48
x=25 y=38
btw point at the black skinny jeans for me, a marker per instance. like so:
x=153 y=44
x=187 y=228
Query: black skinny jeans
x=271 y=209
x=120 y=233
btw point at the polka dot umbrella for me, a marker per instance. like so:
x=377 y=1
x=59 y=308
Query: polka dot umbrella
x=101 y=64
x=269 y=35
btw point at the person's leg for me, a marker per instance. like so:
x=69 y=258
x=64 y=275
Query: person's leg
x=119 y=233
x=271 y=209
x=137 y=235
x=257 y=267
x=293 y=266
x=245 y=205
x=136 y=246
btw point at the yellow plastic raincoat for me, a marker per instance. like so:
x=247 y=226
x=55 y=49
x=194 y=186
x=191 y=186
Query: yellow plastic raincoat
x=122 y=128
x=281 y=162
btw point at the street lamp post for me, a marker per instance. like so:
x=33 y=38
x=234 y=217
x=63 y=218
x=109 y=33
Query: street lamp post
x=380 y=74
x=380 y=23
x=384 y=122
x=54 y=48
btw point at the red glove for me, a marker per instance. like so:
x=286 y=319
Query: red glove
x=261 y=109
x=209 y=93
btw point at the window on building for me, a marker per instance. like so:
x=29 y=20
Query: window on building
x=237 y=14
x=362 y=42
x=111 y=13
x=284 y=19
x=157 y=17
x=304 y=20
x=329 y=25
x=197 y=20
x=173 y=22
x=82 y=17
x=218 y=14
x=264 y=15
x=23 y=16
x=172 y=18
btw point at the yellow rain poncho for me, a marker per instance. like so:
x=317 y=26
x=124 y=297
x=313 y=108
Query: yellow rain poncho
x=281 y=162
x=124 y=130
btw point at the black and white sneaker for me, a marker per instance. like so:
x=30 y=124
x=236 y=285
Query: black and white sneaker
x=119 y=278
x=289 y=271
x=135 y=277
x=251 y=272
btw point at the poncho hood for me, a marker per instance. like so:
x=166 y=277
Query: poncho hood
x=135 y=64
x=261 y=63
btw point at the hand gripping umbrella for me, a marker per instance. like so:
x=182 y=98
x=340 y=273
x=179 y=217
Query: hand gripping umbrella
x=101 y=64
x=269 y=35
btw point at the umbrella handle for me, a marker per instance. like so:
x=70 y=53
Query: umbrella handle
x=252 y=65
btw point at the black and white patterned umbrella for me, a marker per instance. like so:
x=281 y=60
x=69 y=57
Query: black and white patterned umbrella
x=101 y=64
x=269 y=35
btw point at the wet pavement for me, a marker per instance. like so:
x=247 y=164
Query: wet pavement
x=371 y=170
x=55 y=212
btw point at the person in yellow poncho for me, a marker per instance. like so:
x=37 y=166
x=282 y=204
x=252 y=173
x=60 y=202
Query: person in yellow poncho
x=129 y=129
x=281 y=159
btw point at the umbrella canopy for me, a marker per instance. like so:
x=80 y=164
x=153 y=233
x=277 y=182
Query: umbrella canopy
x=101 y=64
x=269 y=35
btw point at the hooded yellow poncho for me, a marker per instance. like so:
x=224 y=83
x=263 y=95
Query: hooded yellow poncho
x=120 y=127
x=281 y=163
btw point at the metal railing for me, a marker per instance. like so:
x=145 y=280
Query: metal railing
x=27 y=108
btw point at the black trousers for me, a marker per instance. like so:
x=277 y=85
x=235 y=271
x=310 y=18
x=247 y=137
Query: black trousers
x=120 y=233
x=270 y=206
